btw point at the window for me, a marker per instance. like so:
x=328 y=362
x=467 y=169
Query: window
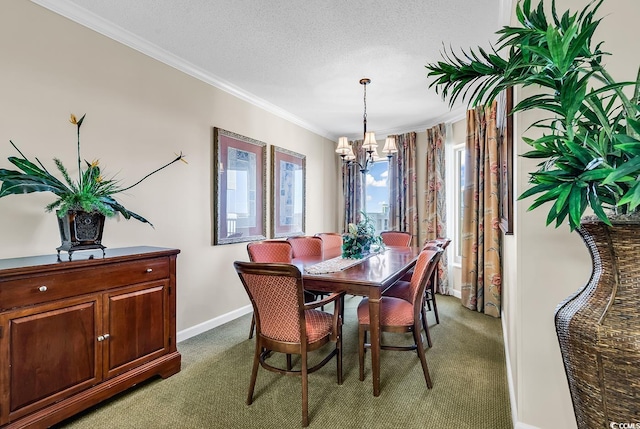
x=377 y=195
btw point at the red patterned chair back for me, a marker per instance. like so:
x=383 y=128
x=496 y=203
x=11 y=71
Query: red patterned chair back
x=442 y=242
x=425 y=266
x=270 y=251
x=331 y=242
x=276 y=293
x=396 y=238
x=306 y=246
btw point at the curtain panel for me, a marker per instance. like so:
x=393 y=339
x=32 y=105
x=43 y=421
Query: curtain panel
x=403 y=197
x=481 y=236
x=435 y=217
x=352 y=187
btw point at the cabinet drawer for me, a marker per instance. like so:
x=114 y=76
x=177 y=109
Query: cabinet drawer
x=21 y=291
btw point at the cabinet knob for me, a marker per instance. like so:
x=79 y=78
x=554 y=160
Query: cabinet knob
x=149 y=270
x=42 y=288
x=100 y=337
x=106 y=336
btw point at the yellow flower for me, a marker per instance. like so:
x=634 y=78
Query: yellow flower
x=99 y=179
x=94 y=163
x=181 y=158
x=73 y=119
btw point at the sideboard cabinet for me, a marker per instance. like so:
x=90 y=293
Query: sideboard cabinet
x=73 y=333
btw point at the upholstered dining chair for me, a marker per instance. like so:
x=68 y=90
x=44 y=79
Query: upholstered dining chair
x=331 y=243
x=306 y=246
x=401 y=288
x=396 y=238
x=400 y=316
x=285 y=324
x=268 y=251
x=430 y=291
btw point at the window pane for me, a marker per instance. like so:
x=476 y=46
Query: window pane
x=377 y=195
x=459 y=203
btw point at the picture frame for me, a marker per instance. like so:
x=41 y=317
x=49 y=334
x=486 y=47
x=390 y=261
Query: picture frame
x=504 y=121
x=239 y=188
x=288 y=197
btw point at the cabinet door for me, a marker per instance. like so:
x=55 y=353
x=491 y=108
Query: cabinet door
x=137 y=324
x=49 y=352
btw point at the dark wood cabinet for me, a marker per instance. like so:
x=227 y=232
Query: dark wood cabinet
x=73 y=333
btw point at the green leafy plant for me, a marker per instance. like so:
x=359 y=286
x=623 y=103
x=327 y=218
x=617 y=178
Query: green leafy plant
x=90 y=193
x=590 y=145
x=361 y=237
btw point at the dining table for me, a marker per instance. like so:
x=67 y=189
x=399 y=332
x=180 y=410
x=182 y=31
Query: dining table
x=368 y=277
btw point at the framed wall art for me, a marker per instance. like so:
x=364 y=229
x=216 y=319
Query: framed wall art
x=239 y=188
x=288 y=171
x=504 y=121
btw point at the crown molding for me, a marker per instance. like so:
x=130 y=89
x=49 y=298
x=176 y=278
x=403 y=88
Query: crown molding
x=454 y=115
x=100 y=25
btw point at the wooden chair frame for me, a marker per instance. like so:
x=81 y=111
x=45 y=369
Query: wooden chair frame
x=265 y=346
x=414 y=328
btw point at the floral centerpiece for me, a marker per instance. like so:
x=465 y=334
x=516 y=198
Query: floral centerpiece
x=357 y=243
x=92 y=192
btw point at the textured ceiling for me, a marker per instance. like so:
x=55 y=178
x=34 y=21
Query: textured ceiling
x=303 y=59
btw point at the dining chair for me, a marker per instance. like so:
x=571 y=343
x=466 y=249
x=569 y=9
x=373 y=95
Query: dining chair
x=286 y=324
x=306 y=246
x=400 y=316
x=331 y=243
x=400 y=288
x=430 y=291
x=396 y=238
x=268 y=251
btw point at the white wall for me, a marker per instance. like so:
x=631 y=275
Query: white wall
x=543 y=265
x=139 y=113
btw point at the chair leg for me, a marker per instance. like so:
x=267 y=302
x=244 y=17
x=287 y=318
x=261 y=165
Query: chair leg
x=425 y=326
x=253 y=326
x=423 y=360
x=339 y=347
x=305 y=391
x=254 y=372
x=361 y=340
x=435 y=307
x=289 y=366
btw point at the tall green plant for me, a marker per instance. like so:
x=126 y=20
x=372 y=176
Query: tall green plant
x=590 y=145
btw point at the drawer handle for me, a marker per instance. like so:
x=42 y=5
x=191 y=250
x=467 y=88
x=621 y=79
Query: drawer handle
x=103 y=337
x=149 y=270
x=42 y=288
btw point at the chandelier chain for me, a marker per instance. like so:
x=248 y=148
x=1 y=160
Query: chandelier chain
x=364 y=116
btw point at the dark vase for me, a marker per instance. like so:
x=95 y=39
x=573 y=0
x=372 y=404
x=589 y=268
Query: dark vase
x=80 y=230
x=599 y=328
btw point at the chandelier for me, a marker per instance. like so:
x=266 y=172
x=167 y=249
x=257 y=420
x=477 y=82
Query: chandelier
x=369 y=146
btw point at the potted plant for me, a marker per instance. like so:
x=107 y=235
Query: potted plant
x=358 y=241
x=589 y=160
x=81 y=205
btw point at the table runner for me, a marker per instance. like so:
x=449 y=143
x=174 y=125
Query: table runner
x=335 y=264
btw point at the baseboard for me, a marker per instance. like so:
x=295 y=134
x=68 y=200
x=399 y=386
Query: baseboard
x=212 y=323
x=456 y=293
x=520 y=425
x=512 y=394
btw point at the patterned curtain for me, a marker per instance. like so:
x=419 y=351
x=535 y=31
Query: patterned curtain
x=352 y=187
x=481 y=237
x=403 y=198
x=436 y=214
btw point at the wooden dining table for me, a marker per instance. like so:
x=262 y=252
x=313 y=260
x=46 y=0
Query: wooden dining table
x=369 y=277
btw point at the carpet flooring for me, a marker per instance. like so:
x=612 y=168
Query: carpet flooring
x=466 y=363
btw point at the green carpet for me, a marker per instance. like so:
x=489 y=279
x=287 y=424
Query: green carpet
x=466 y=364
